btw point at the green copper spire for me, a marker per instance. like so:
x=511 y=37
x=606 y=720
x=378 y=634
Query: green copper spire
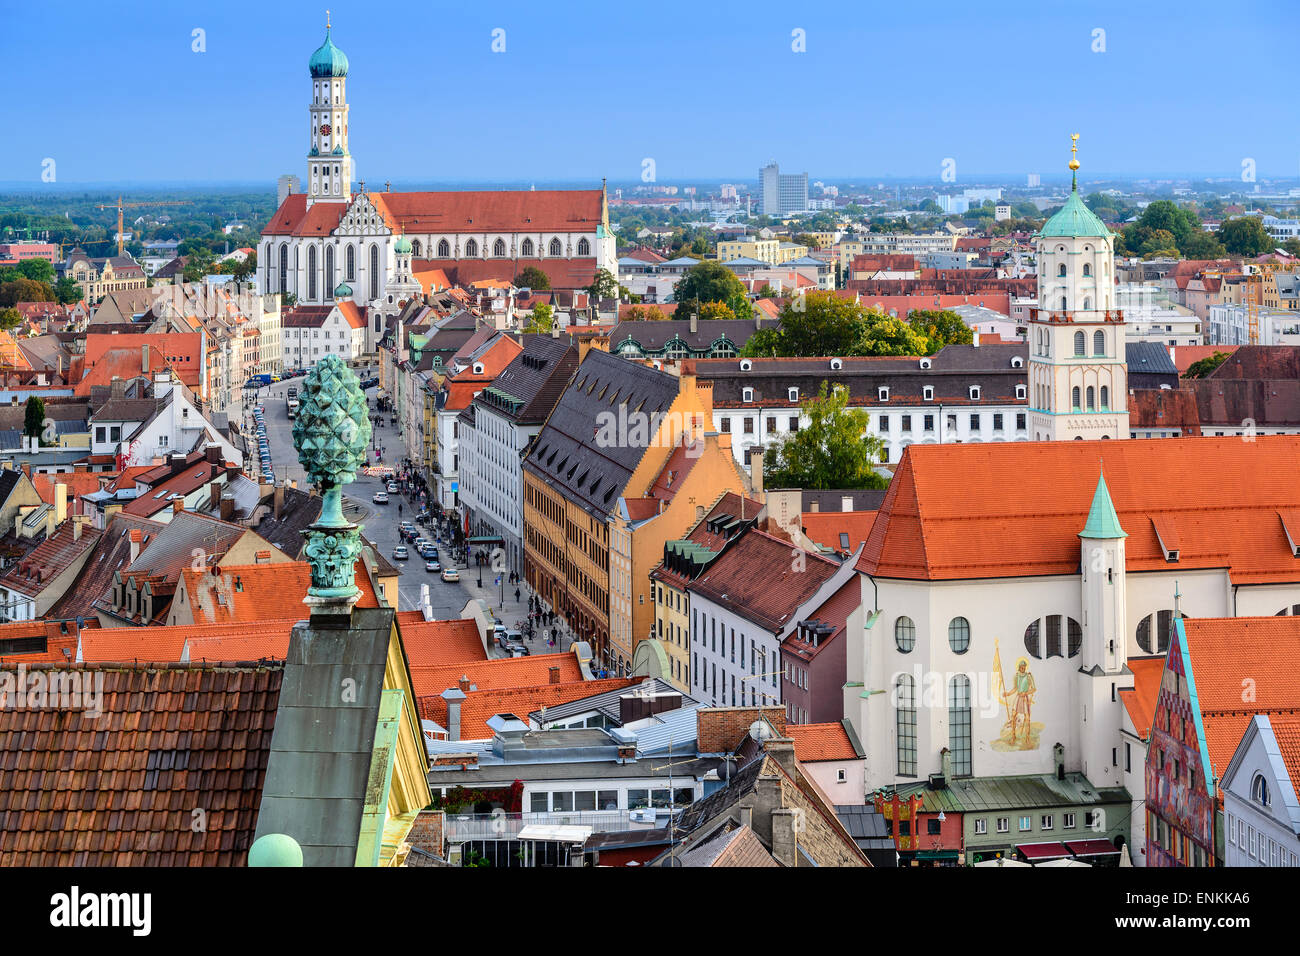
x=1103 y=522
x=331 y=433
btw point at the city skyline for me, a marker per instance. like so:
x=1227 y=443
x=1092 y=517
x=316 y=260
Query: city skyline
x=601 y=116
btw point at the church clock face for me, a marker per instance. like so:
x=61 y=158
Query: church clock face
x=325 y=130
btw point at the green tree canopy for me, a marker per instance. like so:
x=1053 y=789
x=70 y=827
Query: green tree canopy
x=822 y=323
x=67 y=291
x=940 y=328
x=604 y=286
x=38 y=270
x=833 y=449
x=1203 y=367
x=531 y=277
x=1245 y=236
x=543 y=319
x=710 y=281
x=24 y=290
x=34 y=417
x=10 y=318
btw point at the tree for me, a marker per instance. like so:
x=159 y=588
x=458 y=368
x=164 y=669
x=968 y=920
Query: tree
x=813 y=324
x=643 y=313
x=1203 y=245
x=67 y=291
x=1245 y=236
x=38 y=270
x=34 y=417
x=834 y=449
x=889 y=335
x=1203 y=367
x=10 y=318
x=1292 y=246
x=940 y=328
x=24 y=290
x=1159 y=243
x=604 y=286
x=543 y=319
x=767 y=292
x=716 y=310
x=241 y=269
x=531 y=277
x=710 y=282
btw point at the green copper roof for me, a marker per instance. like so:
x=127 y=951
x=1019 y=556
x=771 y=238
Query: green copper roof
x=328 y=60
x=1103 y=523
x=275 y=849
x=342 y=291
x=1075 y=219
x=403 y=246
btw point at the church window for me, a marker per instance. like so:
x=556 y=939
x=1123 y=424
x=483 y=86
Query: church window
x=959 y=635
x=1080 y=344
x=351 y=264
x=471 y=248
x=555 y=247
x=1092 y=399
x=499 y=248
x=959 y=724
x=311 y=273
x=1060 y=271
x=330 y=284
x=1105 y=398
x=1064 y=305
x=1087 y=303
x=527 y=248
x=1033 y=646
x=417 y=250
x=1053 y=642
x=584 y=247
x=444 y=249
x=1087 y=270
x=1075 y=636
x=374 y=271
x=905 y=634
x=284 y=266
x=1074 y=398
x=905 y=694
x=1099 y=342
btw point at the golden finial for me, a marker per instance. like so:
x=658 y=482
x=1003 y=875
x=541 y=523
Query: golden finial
x=327 y=19
x=1074 y=151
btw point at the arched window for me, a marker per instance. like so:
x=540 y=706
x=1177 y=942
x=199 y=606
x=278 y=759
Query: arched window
x=905 y=634
x=1259 y=790
x=1074 y=398
x=905 y=711
x=329 y=272
x=959 y=745
x=374 y=271
x=311 y=273
x=1087 y=270
x=350 y=264
x=1099 y=342
x=417 y=250
x=1105 y=397
x=1162 y=623
x=1087 y=303
x=1075 y=637
x=959 y=635
x=1033 y=641
x=471 y=248
x=555 y=247
x=1061 y=270
x=1064 y=304
x=1092 y=399
x=284 y=267
x=444 y=249
x=526 y=249
x=499 y=248
x=1080 y=344
x=584 y=247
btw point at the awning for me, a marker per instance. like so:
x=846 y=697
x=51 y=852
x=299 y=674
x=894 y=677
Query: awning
x=488 y=539
x=1092 y=848
x=936 y=854
x=1036 y=852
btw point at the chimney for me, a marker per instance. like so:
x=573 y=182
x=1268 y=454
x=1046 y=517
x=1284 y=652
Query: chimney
x=814 y=506
x=555 y=673
x=227 y=507
x=76 y=528
x=1058 y=756
x=144 y=358
x=783 y=836
x=464 y=683
x=136 y=536
x=756 y=475
x=277 y=500
x=214 y=497
x=781 y=749
x=695 y=323
x=453 y=696
x=212 y=453
x=945 y=761
x=178 y=505
x=60 y=503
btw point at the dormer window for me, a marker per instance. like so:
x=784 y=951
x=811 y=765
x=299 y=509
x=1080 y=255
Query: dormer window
x=974 y=393
x=747 y=395
x=1020 y=392
x=883 y=393
x=927 y=393
x=478 y=368
x=1017 y=362
x=746 y=365
x=926 y=363
x=794 y=394
x=837 y=364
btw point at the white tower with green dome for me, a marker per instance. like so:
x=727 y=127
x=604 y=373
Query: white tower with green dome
x=329 y=165
x=1078 y=376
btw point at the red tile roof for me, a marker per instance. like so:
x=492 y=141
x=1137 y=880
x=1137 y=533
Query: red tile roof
x=1185 y=356
x=110 y=356
x=122 y=789
x=293 y=218
x=1286 y=728
x=49 y=640
x=1140 y=699
x=496 y=674
x=78 y=482
x=160 y=497
x=257 y=592
x=946 y=502
x=480 y=706
x=815 y=742
x=439 y=643
x=33 y=574
x=758 y=579
x=825 y=527
x=498 y=210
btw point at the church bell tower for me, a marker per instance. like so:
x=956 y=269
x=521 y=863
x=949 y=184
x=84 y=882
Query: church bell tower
x=329 y=164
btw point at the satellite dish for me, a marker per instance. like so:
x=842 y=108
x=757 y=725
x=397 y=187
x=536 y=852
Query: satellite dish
x=760 y=730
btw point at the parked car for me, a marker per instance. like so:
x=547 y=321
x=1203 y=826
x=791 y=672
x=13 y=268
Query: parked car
x=516 y=650
x=449 y=574
x=380 y=498
x=392 y=487
x=432 y=566
x=400 y=553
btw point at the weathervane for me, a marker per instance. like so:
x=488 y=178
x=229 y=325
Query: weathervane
x=330 y=434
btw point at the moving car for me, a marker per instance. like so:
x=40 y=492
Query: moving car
x=380 y=498
x=401 y=554
x=432 y=566
x=449 y=574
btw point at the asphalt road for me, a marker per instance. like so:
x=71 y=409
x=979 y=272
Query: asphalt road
x=379 y=524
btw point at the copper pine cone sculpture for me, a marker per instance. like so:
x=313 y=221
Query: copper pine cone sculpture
x=332 y=429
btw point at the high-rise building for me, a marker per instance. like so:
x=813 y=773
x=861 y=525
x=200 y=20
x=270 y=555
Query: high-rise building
x=781 y=194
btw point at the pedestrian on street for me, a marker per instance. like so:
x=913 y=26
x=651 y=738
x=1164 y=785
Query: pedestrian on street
x=516 y=594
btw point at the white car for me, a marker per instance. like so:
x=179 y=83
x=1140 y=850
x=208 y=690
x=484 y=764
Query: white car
x=450 y=574
x=380 y=498
x=401 y=554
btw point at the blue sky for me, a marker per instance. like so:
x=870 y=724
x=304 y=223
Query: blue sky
x=709 y=90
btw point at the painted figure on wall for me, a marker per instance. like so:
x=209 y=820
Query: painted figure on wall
x=1019 y=732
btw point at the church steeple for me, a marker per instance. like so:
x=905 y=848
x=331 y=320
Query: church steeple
x=329 y=164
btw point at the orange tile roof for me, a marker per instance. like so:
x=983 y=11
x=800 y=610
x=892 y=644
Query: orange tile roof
x=947 y=502
x=480 y=211
x=261 y=640
x=825 y=527
x=1185 y=356
x=125 y=644
x=1286 y=729
x=439 y=643
x=58 y=636
x=1140 y=699
x=79 y=483
x=480 y=706
x=1226 y=651
x=108 y=356
x=494 y=674
x=257 y=592
x=814 y=742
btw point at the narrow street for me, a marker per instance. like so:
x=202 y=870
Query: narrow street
x=380 y=523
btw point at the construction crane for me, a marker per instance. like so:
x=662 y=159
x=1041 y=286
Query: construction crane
x=119 y=206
